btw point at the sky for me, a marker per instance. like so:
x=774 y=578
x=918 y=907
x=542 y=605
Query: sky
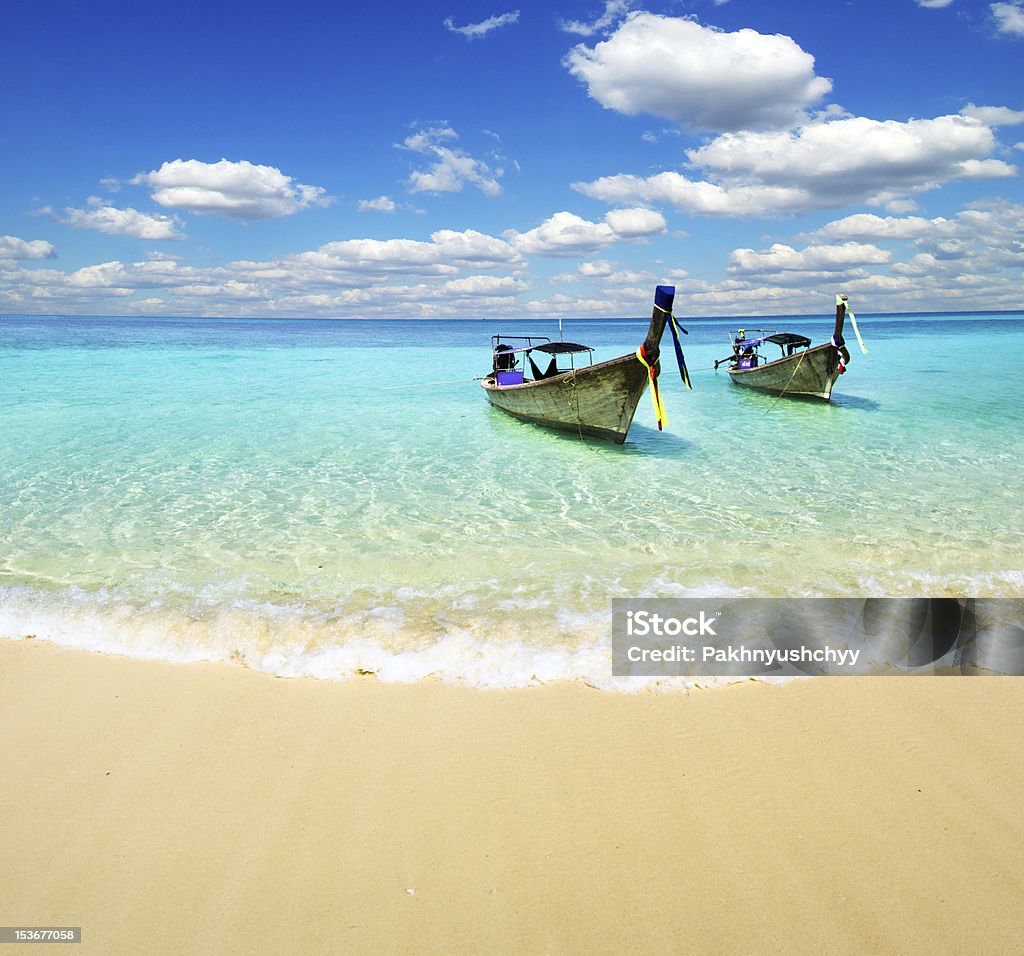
x=510 y=159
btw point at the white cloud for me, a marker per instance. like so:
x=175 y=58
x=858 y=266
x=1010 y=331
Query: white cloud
x=697 y=197
x=986 y=169
x=974 y=260
x=614 y=10
x=13 y=248
x=983 y=239
x=428 y=139
x=504 y=286
x=599 y=268
x=933 y=4
x=380 y=204
x=993 y=115
x=869 y=226
x=878 y=155
x=635 y=223
x=105 y=275
x=781 y=258
x=699 y=77
x=360 y=277
x=1009 y=17
x=566 y=234
x=161 y=273
x=239 y=190
x=563 y=234
x=442 y=255
x=454 y=167
x=823 y=165
x=122 y=222
x=628 y=277
x=474 y=31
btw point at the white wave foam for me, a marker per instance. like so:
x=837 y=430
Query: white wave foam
x=292 y=641
x=397 y=638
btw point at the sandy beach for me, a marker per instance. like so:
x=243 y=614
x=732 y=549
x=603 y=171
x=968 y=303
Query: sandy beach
x=210 y=809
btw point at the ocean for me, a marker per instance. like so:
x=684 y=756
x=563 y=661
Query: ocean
x=337 y=498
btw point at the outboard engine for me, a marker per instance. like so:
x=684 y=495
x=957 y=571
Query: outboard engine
x=503 y=361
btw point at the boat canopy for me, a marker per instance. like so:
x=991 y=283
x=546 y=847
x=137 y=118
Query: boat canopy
x=788 y=338
x=551 y=348
x=561 y=348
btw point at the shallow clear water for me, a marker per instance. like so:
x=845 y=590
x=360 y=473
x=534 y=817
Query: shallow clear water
x=290 y=494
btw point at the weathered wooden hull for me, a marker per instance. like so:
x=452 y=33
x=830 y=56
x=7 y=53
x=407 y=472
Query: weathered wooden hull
x=807 y=374
x=599 y=400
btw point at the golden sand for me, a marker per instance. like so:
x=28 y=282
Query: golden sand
x=209 y=809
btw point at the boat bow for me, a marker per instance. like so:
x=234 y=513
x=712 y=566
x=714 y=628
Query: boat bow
x=598 y=399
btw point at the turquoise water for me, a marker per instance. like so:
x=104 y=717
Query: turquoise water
x=292 y=495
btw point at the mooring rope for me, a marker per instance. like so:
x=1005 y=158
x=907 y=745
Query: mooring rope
x=790 y=382
x=454 y=381
x=570 y=380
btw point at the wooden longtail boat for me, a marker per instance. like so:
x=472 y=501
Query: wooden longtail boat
x=801 y=371
x=597 y=399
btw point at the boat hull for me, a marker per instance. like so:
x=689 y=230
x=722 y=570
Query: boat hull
x=807 y=374
x=598 y=400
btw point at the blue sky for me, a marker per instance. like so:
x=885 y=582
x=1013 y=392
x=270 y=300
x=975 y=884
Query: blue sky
x=462 y=160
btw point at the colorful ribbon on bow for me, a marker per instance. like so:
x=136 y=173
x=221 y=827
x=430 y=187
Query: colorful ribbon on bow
x=652 y=371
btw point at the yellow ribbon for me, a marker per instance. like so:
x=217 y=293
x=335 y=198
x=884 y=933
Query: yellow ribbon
x=659 y=408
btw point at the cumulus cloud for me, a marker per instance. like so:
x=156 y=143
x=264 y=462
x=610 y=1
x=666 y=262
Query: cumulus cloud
x=781 y=258
x=933 y=4
x=380 y=204
x=474 y=31
x=598 y=269
x=993 y=115
x=122 y=222
x=614 y=10
x=454 y=167
x=1009 y=17
x=880 y=154
x=973 y=258
x=12 y=248
x=699 y=77
x=479 y=285
x=446 y=251
x=566 y=234
x=698 y=197
x=828 y=164
x=869 y=226
x=993 y=226
x=635 y=223
x=238 y=190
